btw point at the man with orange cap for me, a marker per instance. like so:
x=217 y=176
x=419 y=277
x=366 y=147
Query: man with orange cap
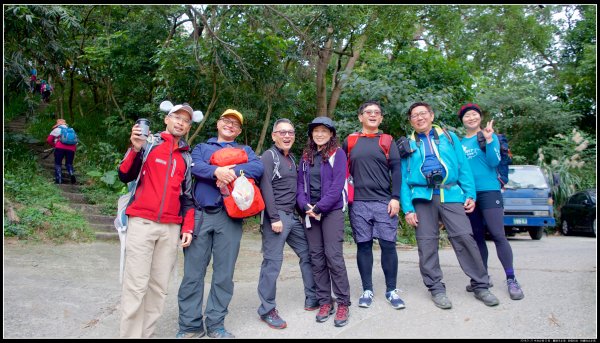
x=216 y=234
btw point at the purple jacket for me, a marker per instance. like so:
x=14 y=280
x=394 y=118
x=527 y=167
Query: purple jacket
x=333 y=176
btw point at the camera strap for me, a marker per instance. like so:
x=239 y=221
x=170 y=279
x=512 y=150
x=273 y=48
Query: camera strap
x=444 y=186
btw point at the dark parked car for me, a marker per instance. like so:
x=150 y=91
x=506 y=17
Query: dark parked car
x=579 y=213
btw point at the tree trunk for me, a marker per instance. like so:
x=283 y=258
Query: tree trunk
x=339 y=85
x=322 y=64
x=263 y=132
x=211 y=106
x=112 y=96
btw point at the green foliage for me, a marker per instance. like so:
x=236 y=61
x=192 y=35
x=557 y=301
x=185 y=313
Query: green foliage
x=106 y=198
x=111 y=64
x=572 y=157
x=15 y=106
x=38 y=204
x=406 y=233
x=526 y=116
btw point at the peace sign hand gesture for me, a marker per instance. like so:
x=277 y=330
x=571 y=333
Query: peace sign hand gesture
x=488 y=131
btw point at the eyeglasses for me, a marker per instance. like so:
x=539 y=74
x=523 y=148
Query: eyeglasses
x=376 y=113
x=283 y=133
x=231 y=123
x=180 y=119
x=422 y=114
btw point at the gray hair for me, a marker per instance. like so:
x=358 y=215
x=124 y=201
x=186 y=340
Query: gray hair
x=282 y=120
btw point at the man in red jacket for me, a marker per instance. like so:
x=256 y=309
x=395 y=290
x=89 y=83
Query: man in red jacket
x=157 y=213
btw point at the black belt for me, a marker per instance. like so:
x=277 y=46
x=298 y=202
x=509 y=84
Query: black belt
x=212 y=209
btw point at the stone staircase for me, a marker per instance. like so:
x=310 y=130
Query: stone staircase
x=101 y=223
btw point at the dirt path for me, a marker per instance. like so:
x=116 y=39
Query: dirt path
x=72 y=291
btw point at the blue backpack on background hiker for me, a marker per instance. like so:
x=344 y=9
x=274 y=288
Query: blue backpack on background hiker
x=68 y=135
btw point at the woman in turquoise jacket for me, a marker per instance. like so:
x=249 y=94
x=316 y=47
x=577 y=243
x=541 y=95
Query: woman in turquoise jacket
x=489 y=211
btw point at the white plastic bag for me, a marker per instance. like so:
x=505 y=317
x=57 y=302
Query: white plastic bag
x=243 y=193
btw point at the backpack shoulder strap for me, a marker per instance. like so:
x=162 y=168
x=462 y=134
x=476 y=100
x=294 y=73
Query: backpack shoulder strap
x=352 y=139
x=148 y=145
x=275 y=163
x=448 y=135
x=481 y=140
x=385 y=142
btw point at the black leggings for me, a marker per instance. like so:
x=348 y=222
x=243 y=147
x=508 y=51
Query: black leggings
x=492 y=219
x=389 y=263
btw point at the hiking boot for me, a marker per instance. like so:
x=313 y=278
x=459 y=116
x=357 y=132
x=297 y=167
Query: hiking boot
x=325 y=311
x=487 y=297
x=394 y=299
x=441 y=300
x=470 y=288
x=73 y=180
x=220 y=333
x=274 y=320
x=341 y=316
x=514 y=289
x=366 y=299
x=311 y=305
x=183 y=334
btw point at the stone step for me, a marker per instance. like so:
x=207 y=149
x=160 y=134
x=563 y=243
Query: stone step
x=74 y=197
x=102 y=227
x=15 y=128
x=99 y=219
x=85 y=208
x=67 y=187
x=108 y=236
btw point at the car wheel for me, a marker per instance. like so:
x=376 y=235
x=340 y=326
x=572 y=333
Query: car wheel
x=594 y=227
x=565 y=227
x=536 y=232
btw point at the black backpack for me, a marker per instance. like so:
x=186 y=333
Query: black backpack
x=505 y=156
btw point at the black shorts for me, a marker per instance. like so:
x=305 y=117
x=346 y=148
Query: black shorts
x=489 y=199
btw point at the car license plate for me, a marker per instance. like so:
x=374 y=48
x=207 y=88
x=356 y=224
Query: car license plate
x=520 y=221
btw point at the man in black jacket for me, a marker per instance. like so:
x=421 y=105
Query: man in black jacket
x=281 y=224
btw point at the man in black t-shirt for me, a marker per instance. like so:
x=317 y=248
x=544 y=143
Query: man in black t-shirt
x=374 y=211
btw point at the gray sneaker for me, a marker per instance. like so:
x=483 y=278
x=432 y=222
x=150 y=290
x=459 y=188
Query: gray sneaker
x=487 y=297
x=470 y=288
x=514 y=289
x=183 y=334
x=441 y=300
x=220 y=333
x=366 y=299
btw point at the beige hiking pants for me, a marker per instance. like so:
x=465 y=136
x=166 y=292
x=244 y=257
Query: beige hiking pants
x=151 y=251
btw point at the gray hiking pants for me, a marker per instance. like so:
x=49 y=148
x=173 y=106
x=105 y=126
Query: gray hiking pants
x=272 y=248
x=218 y=235
x=460 y=234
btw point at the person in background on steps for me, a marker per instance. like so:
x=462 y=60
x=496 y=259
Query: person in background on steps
x=161 y=219
x=61 y=151
x=489 y=209
x=32 y=80
x=281 y=224
x=46 y=91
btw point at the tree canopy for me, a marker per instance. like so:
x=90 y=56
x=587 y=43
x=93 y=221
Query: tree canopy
x=531 y=67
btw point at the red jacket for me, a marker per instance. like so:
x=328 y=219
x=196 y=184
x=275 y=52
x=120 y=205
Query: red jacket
x=164 y=191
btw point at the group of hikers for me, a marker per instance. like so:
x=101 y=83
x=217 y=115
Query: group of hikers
x=43 y=86
x=434 y=177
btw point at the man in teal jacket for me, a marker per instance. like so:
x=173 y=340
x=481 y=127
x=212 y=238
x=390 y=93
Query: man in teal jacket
x=437 y=184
